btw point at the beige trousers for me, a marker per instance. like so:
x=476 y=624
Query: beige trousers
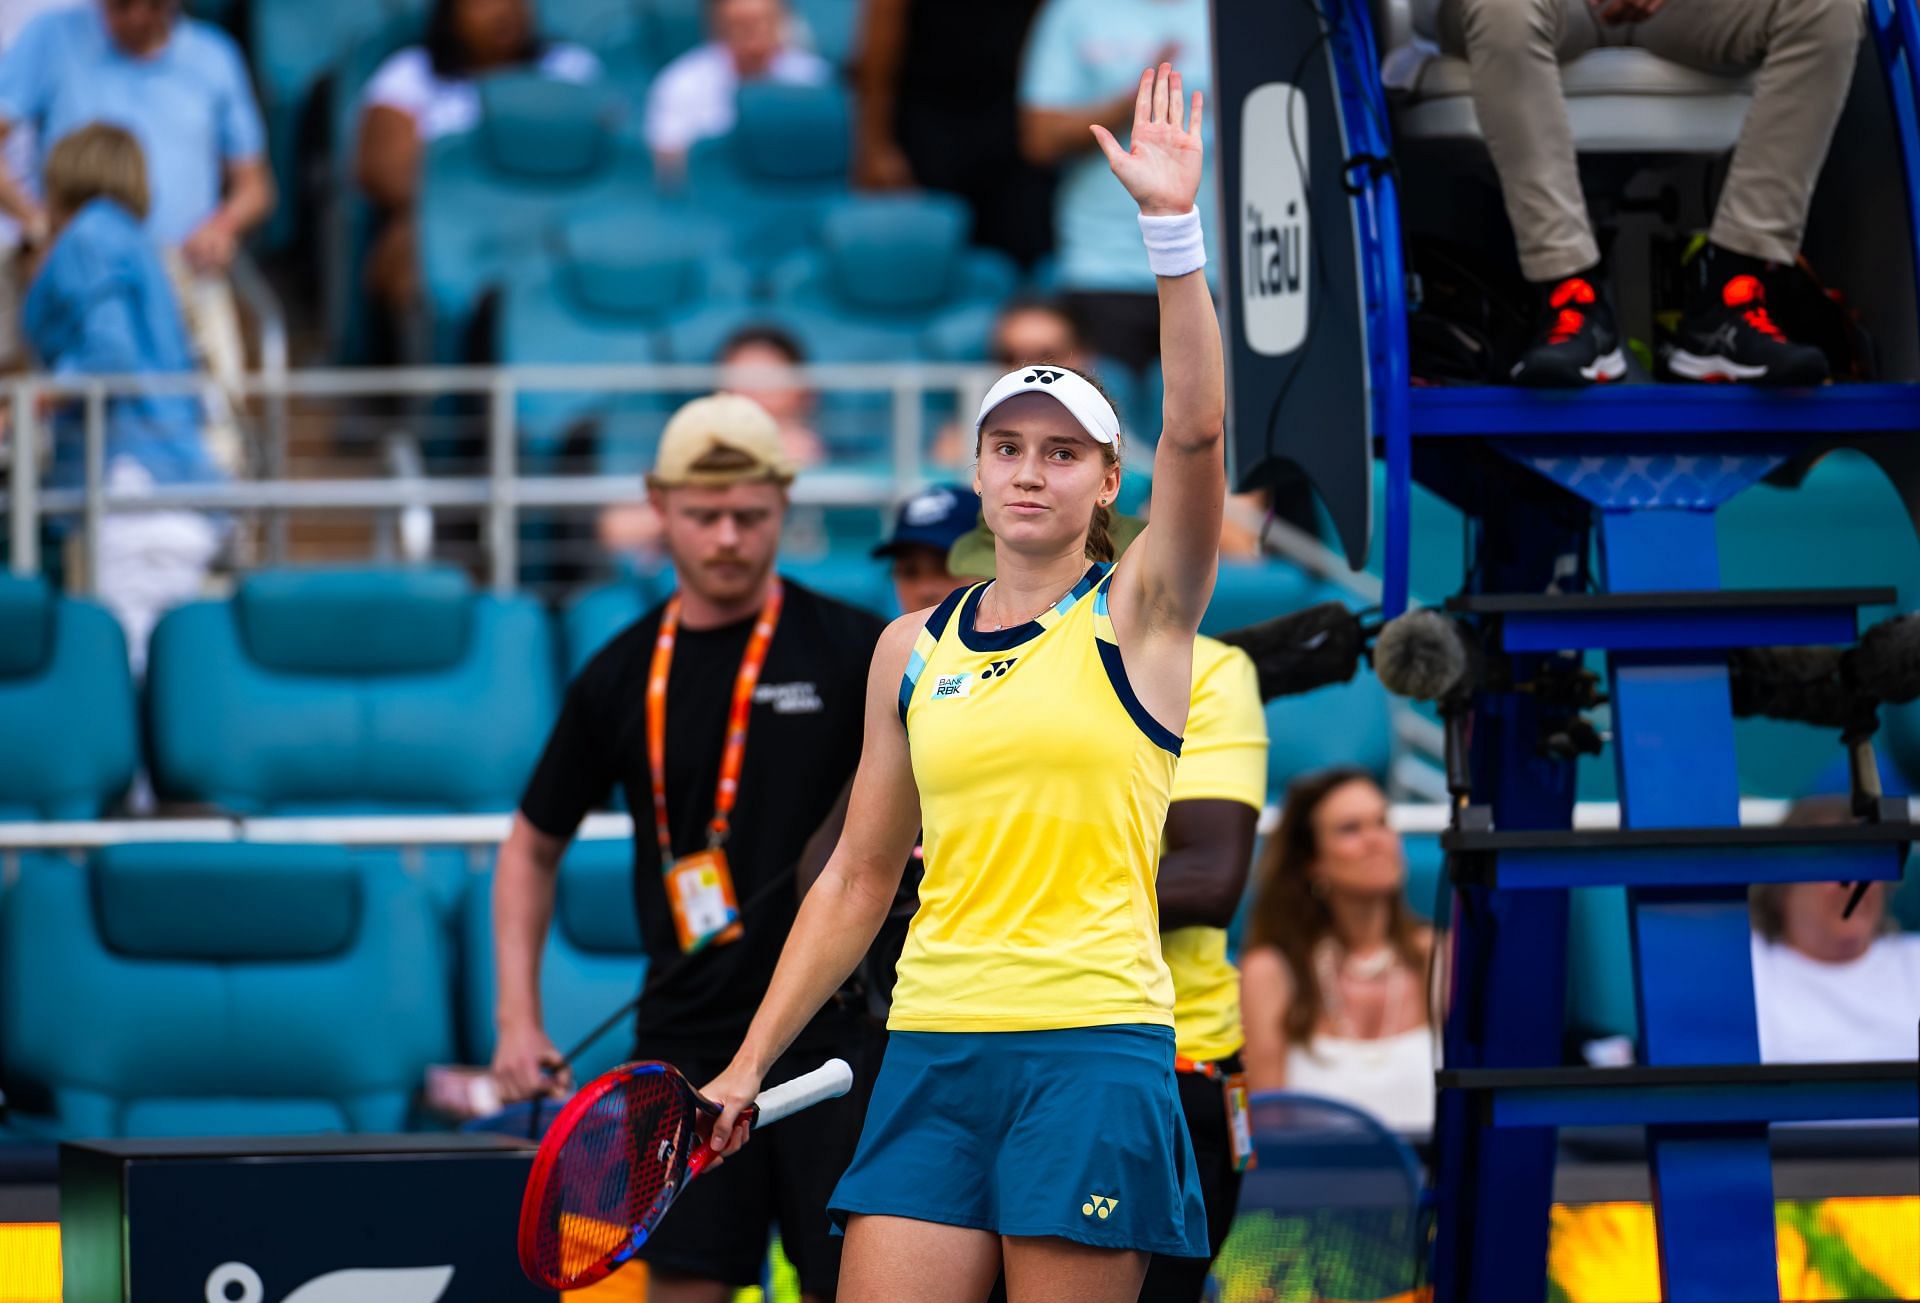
x=212 y=317
x=1804 y=51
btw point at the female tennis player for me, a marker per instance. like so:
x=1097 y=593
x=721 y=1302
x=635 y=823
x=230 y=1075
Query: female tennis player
x=1026 y=1114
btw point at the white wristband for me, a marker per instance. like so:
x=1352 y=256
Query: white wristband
x=1175 y=245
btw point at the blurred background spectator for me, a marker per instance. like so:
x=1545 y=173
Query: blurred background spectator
x=102 y=304
x=1333 y=985
x=1830 y=988
x=937 y=109
x=1083 y=65
x=427 y=91
x=180 y=87
x=693 y=97
x=760 y=362
x=19 y=157
x=927 y=525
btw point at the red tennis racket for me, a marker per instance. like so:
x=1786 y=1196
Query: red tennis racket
x=620 y=1153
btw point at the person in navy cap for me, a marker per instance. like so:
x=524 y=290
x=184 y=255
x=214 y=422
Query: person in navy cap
x=929 y=523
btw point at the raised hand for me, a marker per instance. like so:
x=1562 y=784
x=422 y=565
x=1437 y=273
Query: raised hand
x=1161 y=170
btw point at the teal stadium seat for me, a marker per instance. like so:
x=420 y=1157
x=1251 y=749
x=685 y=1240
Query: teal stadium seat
x=1247 y=592
x=832 y=27
x=671 y=27
x=593 y=961
x=768 y=183
x=64 y=680
x=617 y=31
x=351 y=691
x=889 y=272
x=1346 y=724
x=615 y=284
x=236 y=989
x=592 y=619
x=543 y=149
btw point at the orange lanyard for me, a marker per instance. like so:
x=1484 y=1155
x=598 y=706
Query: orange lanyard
x=741 y=711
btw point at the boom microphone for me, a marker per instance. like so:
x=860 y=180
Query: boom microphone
x=1424 y=655
x=1886 y=664
x=1825 y=685
x=1805 y=684
x=1302 y=650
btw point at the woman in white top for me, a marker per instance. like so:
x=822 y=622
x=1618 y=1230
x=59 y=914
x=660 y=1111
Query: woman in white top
x=427 y=91
x=1830 y=989
x=1333 y=972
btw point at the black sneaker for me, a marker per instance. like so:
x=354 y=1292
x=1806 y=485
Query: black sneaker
x=1576 y=342
x=1726 y=333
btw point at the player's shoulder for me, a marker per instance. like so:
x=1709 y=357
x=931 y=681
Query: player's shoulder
x=1224 y=673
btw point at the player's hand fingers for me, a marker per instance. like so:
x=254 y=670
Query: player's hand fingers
x=724 y=1127
x=1108 y=145
x=1160 y=79
x=1176 y=102
x=1199 y=107
x=555 y=1076
x=1143 y=100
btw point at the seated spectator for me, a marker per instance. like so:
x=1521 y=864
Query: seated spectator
x=693 y=97
x=760 y=362
x=1830 y=989
x=1333 y=985
x=1028 y=329
x=102 y=304
x=1082 y=66
x=1032 y=329
x=1804 y=51
x=757 y=361
x=427 y=91
x=180 y=86
x=938 y=109
x=930 y=522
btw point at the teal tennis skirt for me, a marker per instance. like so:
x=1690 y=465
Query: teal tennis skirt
x=1076 y=1133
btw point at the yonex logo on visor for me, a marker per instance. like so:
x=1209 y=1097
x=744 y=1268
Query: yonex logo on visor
x=1094 y=413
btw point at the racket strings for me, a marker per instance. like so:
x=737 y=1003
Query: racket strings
x=624 y=1157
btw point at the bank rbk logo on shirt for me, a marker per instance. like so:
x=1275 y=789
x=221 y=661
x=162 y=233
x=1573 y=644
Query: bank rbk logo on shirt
x=949 y=686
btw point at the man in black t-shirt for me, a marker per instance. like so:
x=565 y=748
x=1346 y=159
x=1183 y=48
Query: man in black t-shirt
x=734 y=632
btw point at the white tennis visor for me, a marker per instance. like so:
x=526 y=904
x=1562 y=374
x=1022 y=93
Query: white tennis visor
x=1095 y=414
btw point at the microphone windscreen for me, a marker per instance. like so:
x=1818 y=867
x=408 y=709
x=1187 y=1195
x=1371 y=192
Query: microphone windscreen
x=1886 y=663
x=1302 y=650
x=1420 y=654
x=1797 y=683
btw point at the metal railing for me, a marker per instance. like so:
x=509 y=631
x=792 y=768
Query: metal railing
x=497 y=483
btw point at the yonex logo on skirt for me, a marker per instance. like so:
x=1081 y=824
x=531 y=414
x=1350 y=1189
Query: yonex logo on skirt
x=1099 y=1205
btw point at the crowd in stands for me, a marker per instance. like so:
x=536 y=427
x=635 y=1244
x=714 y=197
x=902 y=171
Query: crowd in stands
x=989 y=103
x=136 y=166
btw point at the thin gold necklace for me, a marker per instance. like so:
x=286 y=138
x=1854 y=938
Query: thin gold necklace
x=998 y=628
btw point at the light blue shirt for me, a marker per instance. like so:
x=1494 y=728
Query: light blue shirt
x=102 y=305
x=190 y=105
x=1087 y=52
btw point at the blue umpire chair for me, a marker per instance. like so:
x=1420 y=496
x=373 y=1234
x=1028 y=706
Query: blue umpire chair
x=1592 y=546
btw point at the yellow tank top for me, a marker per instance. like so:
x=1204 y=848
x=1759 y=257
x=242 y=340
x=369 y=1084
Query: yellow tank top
x=1043 y=793
x=1223 y=757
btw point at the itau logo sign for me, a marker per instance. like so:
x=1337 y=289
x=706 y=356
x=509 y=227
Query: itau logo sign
x=1273 y=219
x=236 y=1282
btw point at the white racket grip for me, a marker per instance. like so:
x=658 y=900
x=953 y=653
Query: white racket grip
x=830 y=1080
